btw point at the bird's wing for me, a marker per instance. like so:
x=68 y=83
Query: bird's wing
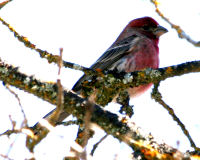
x=111 y=56
x=115 y=52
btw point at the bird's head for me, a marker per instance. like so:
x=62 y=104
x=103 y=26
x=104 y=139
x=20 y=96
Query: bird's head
x=147 y=26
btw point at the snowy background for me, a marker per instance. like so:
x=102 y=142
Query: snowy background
x=85 y=29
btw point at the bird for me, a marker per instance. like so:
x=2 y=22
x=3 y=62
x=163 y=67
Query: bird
x=136 y=48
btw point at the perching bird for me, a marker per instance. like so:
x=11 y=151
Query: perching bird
x=136 y=48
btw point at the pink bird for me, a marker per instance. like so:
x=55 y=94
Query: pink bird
x=136 y=48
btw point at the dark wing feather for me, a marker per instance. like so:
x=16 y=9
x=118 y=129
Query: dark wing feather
x=112 y=55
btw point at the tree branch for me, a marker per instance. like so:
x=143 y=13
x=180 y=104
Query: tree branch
x=73 y=104
x=178 y=29
x=43 y=53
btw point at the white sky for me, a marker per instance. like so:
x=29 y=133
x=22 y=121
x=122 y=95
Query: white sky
x=85 y=29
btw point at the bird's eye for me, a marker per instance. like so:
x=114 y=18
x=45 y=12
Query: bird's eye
x=146 y=27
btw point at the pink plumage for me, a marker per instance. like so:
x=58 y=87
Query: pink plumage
x=136 y=48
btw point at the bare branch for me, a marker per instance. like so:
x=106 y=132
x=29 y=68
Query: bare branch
x=45 y=54
x=156 y=95
x=97 y=144
x=179 y=30
x=24 y=123
x=60 y=98
x=2 y=4
x=111 y=123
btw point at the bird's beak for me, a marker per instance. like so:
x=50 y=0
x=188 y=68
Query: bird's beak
x=160 y=31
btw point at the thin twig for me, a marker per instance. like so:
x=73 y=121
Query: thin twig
x=6 y=157
x=87 y=119
x=60 y=98
x=156 y=95
x=13 y=129
x=12 y=122
x=42 y=128
x=45 y=54
x=24 y=123
x=179 y=30
x=86 y=130
x=2 y=4
x=97 y=144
